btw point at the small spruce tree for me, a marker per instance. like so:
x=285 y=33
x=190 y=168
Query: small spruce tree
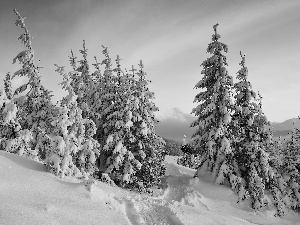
x=12 y=138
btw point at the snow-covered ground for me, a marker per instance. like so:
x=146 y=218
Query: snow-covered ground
x=30 y=195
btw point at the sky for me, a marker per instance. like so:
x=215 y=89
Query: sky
x=171 y=37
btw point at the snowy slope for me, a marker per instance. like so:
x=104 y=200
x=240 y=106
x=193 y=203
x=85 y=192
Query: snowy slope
x=30 y=195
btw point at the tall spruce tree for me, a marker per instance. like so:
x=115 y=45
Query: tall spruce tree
x=246 y=143
x=35 y=107
x=147 y=147
x=73 y=151
x=212 y=140
x=252 y=144
x=83 y=82
x=117 y=122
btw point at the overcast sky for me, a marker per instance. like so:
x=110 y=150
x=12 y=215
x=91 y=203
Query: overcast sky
x=171 y=37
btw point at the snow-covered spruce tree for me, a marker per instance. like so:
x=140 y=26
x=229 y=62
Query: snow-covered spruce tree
x=9 y=127
x=108 y=98
x=73 y=151
x=106 y=86
x=120 y=162
x=190 y=158
x=275 y=150
x=95 y=90
x=172 y=147
x=270 y=173
x=290 y=170
x=82 y=81
x=255 y=171
x=212 y=140
x=88 y=87
x=35 y=107
x=147 y=147
x=131 y=148
x=12 y=138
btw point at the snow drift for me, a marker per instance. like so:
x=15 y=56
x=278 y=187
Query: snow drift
x=30 y=195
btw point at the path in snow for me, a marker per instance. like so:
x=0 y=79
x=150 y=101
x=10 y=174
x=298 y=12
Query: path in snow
x=143 y=209
x=188 y=200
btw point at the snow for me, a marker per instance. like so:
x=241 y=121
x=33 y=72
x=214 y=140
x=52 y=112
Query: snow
x=227 y=119
x=109 y=139
x=129 y=124
x=10 y=112
x=31 y=195
x=118 y=147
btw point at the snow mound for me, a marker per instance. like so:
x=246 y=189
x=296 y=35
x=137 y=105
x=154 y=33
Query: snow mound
x=199 y=199
x=29 y=195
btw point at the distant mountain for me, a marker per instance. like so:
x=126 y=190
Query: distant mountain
x=284 y=128
x=178 y=124
x=286 y=125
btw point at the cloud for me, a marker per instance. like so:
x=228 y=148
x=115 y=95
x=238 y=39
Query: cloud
x=175 y=124
x=256 y=18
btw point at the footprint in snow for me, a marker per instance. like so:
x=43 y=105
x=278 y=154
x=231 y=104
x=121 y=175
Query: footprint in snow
x=132 y=212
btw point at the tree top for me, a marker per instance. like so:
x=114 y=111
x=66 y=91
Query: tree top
x=215 y=28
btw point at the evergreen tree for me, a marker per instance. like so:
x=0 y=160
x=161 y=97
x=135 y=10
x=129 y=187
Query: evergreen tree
x=88 y=90
x=91 y=89
x=276 y=153
x=212 y=140
x=190 y=158
x=147 y=147
x=12 y=138
x=172 y=147
x=73 y=151
x=290 y=170
x=9 y=125
x=121 y=160
x=104 y=105
x=252 y=144
x=82 y=82
x=106 y=91
x=35 y=107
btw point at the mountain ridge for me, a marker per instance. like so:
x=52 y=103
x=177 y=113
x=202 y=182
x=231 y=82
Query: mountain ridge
x=285 y=128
